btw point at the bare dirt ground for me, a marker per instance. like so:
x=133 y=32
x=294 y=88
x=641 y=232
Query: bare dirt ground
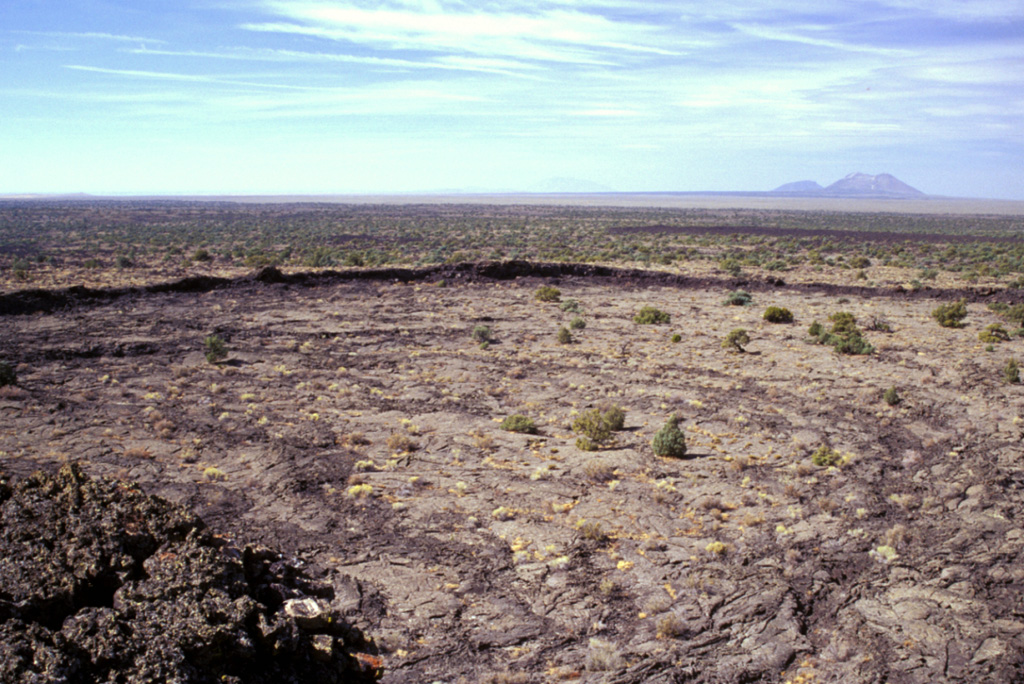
x=355 y=425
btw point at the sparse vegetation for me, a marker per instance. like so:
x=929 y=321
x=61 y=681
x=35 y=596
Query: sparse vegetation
x=547 y=293
x=738 y=298
x=778 y=314
x=482 y=334
x=564 y=336
x=994 y=333
x=669 y=440
x=519 y=423
x=596 y=427
x=216 y=349
x=736 y=339
x=845 y=337
x=825 y=457
x=1011 y=372
x=650 y=315
x=571 y=306
x=951 y=315
x=891 y=396
x=577 y=323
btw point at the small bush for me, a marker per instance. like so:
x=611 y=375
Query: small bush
x=994 y=333
x=564 y=336
x=649 y=315
x=825 y=457
x=216 y=350
x=951 y=315
x=596 y=426
x=547 y=293
x=677 y=338
x=615 y=416
x=738 y=298
x=482 y=333
x=669 y=440
x=400 y=443
x=7 y=374
x=201 y=255
x=578 y=323
x=736 y=339
x=860 y=262
x=593 y=430
x=845 y=337
x=570 y=306
x=1011 y=372
x=519 y=423
x=778 y=314
x=891 y=396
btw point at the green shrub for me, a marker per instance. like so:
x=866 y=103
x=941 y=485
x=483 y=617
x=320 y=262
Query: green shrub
x=8 y=376
x=519 y=423
x=215 y=348
x=677 y=338
x=201 y=255
x=738 y=298
x=994 y=333
x=825 y=457
x=951 y=315
x=669 y=440
x=577 y=323
x=593 y=429
x=860 y=262
x=778 y=314
x=892 y=397
x=547 y=293
x=123 y=262
x=571 y=306
x=1011 y=372
x=564 y=336
x=615 y=416
x=649 y=315
x=736 y=339
x=845 y=337
x=482 y=333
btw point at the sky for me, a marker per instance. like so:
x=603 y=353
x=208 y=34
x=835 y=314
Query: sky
x=404 y=96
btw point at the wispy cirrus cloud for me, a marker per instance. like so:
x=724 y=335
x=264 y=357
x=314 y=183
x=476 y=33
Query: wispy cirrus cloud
x=552 y=33
x=90 y=35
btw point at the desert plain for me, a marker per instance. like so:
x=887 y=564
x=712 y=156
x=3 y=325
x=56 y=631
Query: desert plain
x=355 y=425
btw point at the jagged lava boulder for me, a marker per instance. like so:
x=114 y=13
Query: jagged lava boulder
x=102 y=583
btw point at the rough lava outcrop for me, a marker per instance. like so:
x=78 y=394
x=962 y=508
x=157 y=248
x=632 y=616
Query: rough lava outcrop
x=102 y=583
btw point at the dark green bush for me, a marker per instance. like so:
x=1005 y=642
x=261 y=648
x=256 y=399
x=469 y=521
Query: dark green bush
x=201 y=255
x=951 y=315
x=736 y=339
x=615 y=416
x=577 y=323
x=892 y=397
x=778 y=314
x=738 y=298
x=649 y=315
x=677 y=338
x=859 y=261
x=571 y=306
x=547 y=293
x=845 y=337
x=8 y=376
x=518 y=423
x=216 y=350
x=669 y=440
x=564 y=336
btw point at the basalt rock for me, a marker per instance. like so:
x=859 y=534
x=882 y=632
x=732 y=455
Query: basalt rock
x=102 y=583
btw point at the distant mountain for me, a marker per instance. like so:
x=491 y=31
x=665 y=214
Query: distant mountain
x=571 y=185
x=864 y=185
x=799 y=187
x=883 y=186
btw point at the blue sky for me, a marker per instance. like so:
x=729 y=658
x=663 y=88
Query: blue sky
x=308 y=96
